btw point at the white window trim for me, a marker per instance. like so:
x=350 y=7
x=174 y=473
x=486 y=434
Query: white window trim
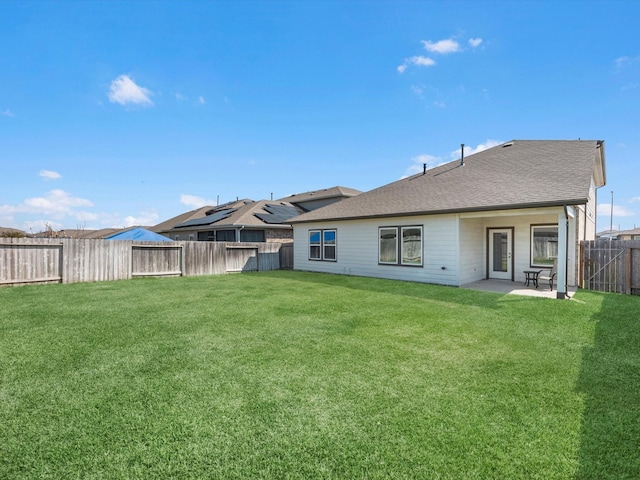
x=531 y=244
x=401 y=239
x=380 y=229
x=399 y=245
x=334 y=245
x=321 y=245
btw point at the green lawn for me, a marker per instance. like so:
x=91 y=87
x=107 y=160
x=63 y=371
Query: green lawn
x=300 y=375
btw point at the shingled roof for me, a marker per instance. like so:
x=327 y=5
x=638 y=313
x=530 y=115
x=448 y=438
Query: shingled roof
x=516 y=174
x=332 y=192
x=245 y=212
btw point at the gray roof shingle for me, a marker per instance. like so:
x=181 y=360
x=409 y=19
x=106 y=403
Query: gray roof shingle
x=516 y=174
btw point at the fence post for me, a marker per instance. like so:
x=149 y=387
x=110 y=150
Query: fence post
x=627 y=270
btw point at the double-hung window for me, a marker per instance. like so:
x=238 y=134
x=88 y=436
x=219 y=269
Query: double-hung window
x=400 y=245
x=322 y=245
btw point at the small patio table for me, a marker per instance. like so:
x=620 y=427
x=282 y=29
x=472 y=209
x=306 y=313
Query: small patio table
x=531 y=276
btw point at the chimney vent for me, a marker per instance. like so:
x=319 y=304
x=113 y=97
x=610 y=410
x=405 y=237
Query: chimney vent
x=424 y=168
x=462 y=154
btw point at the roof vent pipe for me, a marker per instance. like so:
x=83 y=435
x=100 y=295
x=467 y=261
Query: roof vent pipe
x=424 y=168
x=462 y=154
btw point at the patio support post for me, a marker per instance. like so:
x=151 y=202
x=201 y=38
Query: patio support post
x=563 y=251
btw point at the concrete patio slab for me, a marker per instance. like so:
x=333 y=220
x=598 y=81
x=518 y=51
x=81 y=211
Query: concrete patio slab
x=516 y=288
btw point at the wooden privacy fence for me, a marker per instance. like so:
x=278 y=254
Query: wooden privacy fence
x=286 y=256
x=611 y=266
x=43 y=260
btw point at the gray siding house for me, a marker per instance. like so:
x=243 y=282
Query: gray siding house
x=239 y=221
x=518 y=206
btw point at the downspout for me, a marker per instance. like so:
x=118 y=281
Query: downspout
x=566 y=256
x=238 y=233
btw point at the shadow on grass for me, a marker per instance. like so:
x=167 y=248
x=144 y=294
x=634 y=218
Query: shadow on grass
x=610 y=381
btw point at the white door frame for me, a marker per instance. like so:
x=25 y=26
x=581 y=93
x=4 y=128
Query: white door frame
x=505 y=272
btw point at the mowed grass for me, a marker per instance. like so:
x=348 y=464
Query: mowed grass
x=301 y=375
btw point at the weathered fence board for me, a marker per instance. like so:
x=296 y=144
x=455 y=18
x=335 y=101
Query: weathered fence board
x=30 y=262
x=611 y=266
x=242 y=259
x=83 y=260
x=286 y=256
x=204 y=258
x=148 y=260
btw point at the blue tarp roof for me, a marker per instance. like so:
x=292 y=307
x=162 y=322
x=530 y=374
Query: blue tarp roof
x=139 y=233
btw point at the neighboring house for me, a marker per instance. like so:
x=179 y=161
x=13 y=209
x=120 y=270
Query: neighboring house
x=608 y=234
x=198 y=224
x=167 y=225
x=239 y=221
x=320 y=198
x=629 y=234
x=80 y=233
x=511 y=208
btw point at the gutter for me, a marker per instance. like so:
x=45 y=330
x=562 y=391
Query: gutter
x=564 y=203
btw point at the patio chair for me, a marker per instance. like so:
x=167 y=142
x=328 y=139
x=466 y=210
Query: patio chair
x=550 y=275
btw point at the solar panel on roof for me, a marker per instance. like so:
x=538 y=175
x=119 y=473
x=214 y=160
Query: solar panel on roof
x=278 y=213
x=208 y=219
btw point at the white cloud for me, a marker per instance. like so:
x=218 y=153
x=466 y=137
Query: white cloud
x=124 y=90
x=418 y=162
x=432 y=161
x=442 y=47
x=422 y=61
x=634 y=199
x=56 y=202
x=6 y=113
x=149 y=217
x=49 y=175
x=468 y=150
x=180 y=97
x=416 y=60
x=194 y=201
x=622 y=61
x=618 y=210
x=201 y=100
x=51 y=209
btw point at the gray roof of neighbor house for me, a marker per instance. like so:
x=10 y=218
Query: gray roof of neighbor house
x=247 y=213
x=85 y=234
x=516 y=174
x=633 y=231
x=333 y=192
x=183 y=217
x=11 y=231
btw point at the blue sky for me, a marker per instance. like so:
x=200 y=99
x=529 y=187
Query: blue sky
x=128 y=113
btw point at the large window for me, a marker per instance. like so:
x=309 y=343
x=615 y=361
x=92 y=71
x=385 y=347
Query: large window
x=225 y=235
x=544 y=245
x=252 y=235
x=400 y=245
x=322 y=245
